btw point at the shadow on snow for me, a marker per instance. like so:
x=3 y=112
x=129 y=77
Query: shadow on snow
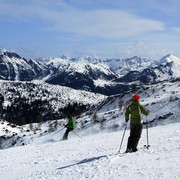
x=87 y=160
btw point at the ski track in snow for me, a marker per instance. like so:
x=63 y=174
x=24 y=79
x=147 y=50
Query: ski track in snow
x=94 y=157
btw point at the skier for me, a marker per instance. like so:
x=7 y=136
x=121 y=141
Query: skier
x=134 y=110
x=1 y=104
x=70 y=126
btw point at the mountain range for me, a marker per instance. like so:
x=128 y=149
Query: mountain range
x=105 y=76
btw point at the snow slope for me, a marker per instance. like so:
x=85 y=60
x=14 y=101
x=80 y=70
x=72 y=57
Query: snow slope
x=93 y=158
x=90 y=152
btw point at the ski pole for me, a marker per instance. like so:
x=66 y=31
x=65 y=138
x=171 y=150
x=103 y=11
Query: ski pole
x=77 y=134
x=122 y=138
x=58 y=131
x=147 y=146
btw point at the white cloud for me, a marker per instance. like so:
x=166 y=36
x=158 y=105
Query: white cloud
x=117 y=28
x=110 y=24
x=95 y=23
x=144 y=49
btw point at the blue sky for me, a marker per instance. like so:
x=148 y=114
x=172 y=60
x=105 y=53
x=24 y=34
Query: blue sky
x=108 y=29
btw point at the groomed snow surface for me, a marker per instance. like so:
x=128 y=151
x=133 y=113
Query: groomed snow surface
x=93 y=157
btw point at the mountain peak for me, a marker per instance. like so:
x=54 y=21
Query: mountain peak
x=2 y=51
x=91 y=59
x=9 y=53
x=65 y=57
x=169 y=59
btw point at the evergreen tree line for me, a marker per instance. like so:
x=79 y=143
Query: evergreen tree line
x=22 y=111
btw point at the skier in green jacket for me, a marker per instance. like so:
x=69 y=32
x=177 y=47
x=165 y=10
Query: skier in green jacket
x=70 y=126
x=134 y=110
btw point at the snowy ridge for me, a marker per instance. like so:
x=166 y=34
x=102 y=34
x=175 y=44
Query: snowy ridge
x=14 y=67
x=123 y=66
x=16 y=62
x=165 y=69
x=83 y=67
x=58 y=62
x=169 y=59
x=119 y=66
x=80 y=66
x=89 y=59
x=173 y=63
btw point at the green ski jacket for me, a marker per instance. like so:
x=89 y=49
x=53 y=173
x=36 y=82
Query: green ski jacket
x=71 y=123
x=134 y=110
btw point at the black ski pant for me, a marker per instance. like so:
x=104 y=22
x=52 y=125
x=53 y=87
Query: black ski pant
x=135 y=135
x=66 y=133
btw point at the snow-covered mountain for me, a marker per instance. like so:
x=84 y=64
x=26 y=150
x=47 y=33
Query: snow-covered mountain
x=123 y=66
x=14 y=67
x=89 y=59
x=167 y=68
x=106 y=76
x=170 y=64
x=119 y=66
x=92 y=70
x=168 y=59
x=78 y=74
